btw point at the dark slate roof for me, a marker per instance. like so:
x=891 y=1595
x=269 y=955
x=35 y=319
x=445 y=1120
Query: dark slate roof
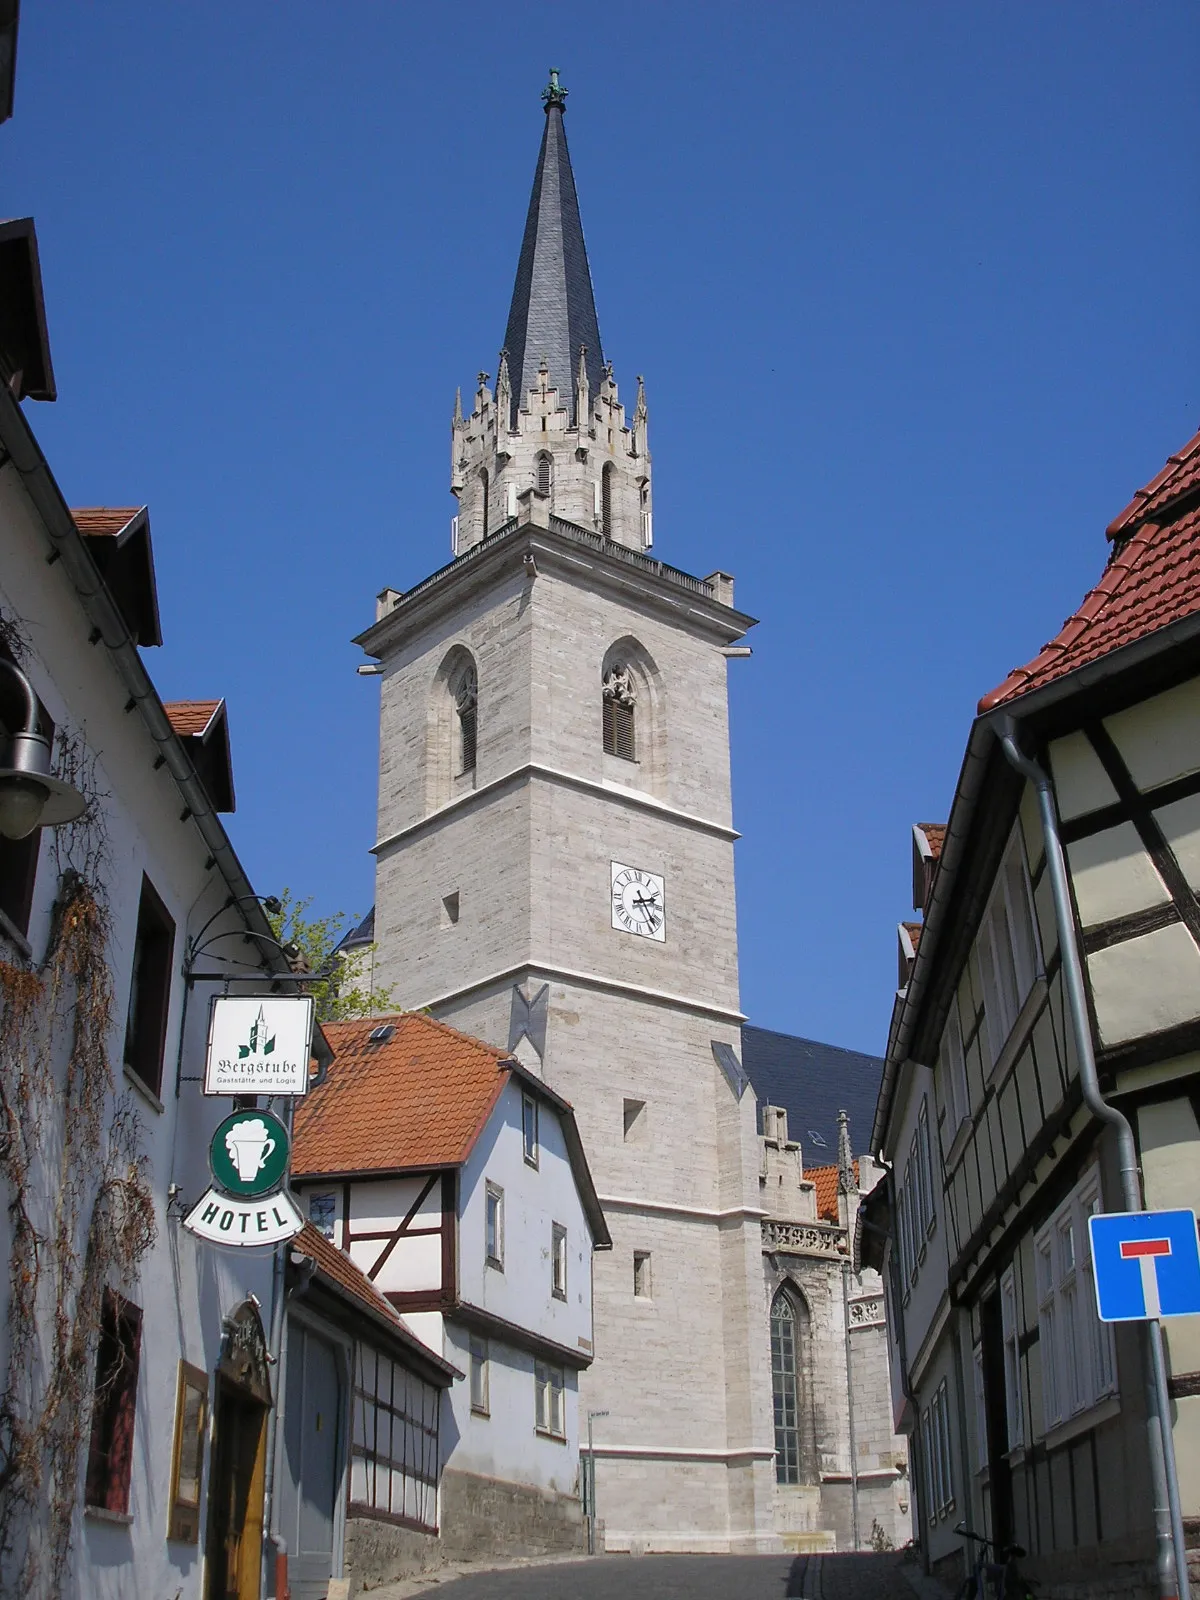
x=813 y=1082
x=362 y=935
x=553 y=309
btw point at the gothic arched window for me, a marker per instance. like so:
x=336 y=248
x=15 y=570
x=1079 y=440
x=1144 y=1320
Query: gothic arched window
x=465 y=690
x=483 y=490
x=606 y=499
x=545 y=475
x=785 y=1388
x=620 y=699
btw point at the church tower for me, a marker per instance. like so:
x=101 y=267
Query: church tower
x=555 y=875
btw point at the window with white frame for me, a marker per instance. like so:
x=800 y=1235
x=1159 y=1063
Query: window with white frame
x=952 y=1072
x=1007 y=946
x=558 y=1261
x=902 y=1233
x=549 y=1407
x=981 y=1438
x=925 y=1170
x=1077 y=1351
x=480 y=1399
x=927 y=1454
x=941 y=1449
x=494 y=1226
x=529 y=1128
x=1014 y=1413
x=322 y=1213
x=913 y=1215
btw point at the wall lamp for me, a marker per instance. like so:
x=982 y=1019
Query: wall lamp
x=30 y=796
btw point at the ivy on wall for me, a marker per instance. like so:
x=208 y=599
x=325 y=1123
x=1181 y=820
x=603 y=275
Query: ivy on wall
x=78 y=1192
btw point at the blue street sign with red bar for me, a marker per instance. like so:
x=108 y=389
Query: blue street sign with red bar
x=1145 y=1264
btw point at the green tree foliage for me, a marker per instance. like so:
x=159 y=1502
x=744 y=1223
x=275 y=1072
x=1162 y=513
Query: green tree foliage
x=349 y=990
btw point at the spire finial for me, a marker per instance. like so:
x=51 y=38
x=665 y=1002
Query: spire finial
x=554 y=94
x=458 y=412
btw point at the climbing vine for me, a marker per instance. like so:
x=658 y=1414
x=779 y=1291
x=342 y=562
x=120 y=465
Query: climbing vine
x=79 y=1201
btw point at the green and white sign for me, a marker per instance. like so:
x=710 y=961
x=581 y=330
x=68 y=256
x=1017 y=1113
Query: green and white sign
x=259 y=1044
x=248 y=1155
x=223 y=1220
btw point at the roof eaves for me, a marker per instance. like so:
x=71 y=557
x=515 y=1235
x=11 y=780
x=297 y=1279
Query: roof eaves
x=26 y=456
x=582 y=1172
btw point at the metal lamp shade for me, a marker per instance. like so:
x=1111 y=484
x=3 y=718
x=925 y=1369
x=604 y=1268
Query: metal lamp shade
x=27 y=755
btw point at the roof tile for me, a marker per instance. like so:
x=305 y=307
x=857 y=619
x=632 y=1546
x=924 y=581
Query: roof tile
x=1152 y=579
x=418 y=1099
x=826 y=1180
x=189 y=717
x=103 y=520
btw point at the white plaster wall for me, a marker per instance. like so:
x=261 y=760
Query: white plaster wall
x=1159 y=738
x=534 y=1199
x=1145 y=984
x=1113 y=875
x=183 y=1287
x=1080 y=781
x=505 y=1444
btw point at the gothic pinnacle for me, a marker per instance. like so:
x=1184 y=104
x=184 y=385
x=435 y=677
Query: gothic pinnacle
x=458 y=411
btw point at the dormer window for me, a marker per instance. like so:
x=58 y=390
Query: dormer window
x=619 y=702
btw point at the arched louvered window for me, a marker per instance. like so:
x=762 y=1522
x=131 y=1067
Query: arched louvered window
x=620 y=700
x=466 y=707
x=785 y=1388
x=545 y=475
x=484 y=486
x=606 y=499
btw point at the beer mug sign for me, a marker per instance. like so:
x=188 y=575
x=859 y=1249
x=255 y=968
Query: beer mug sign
x=249 y=1153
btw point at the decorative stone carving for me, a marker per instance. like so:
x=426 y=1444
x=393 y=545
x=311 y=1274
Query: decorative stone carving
x=803 y=1238
x=619 y=686
x=867 y=1313
x=466 y=693
x=244 y=1359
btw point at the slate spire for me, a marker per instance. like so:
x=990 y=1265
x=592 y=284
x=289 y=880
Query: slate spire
x=553 y=310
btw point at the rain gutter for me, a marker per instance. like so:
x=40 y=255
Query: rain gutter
x=108 y=625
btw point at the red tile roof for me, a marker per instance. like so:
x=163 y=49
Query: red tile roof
x=416 y=1100
x=935 y=834
x=103 y=520
x=1152 y=579
x=913 y=930
x=355 y=1284
x=189 y=717
x=826 y=1180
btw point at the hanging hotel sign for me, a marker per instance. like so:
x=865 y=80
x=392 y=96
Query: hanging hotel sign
x=221 y=1219
x=248 y=1158
x=260 y=1044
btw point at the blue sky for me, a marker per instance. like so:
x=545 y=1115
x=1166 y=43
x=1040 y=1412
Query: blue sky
x=912 y=288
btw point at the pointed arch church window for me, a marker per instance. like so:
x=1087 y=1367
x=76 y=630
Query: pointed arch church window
x=545 y=475
x=785 y=1389
x=606 y=500
x=483 y=489
x=466 y=706
x=620 y=700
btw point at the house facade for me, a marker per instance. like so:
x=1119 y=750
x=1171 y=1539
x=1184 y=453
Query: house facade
x=456 y=1182
x=1060 y=938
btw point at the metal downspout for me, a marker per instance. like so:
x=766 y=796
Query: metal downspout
x=279 y=1358
x=1168 y=1521
x=850 y=1408
x=916 y=1464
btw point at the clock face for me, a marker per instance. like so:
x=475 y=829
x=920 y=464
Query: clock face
x=639 y=902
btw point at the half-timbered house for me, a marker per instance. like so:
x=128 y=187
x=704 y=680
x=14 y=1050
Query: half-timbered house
x=1029 y=1417
x=456 y=1181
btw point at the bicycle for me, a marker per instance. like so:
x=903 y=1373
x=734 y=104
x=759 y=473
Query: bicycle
x=998 y=1579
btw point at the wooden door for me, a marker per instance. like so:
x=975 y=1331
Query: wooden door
x=235 y=1496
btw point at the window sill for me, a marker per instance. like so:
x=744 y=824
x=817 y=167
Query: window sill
x=559 y=1294
x=1018 y=1037
x=532 y=1161
x=481 y=1411
x=496 y=1266
x=554 y=1438
x=120 y=1519
x=1063 y=1432
x=958 y=1144
x=143 y=1089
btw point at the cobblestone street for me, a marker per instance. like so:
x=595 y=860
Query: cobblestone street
x=845 y=1577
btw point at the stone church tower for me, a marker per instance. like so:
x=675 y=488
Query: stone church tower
x=555 y=875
